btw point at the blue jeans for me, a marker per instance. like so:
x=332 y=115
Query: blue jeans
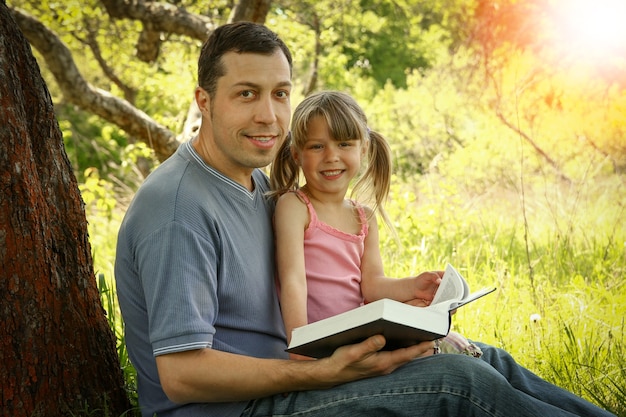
x=440 y=385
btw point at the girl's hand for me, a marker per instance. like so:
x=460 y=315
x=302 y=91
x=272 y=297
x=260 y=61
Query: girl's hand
x=418 y=302
x=426 y=285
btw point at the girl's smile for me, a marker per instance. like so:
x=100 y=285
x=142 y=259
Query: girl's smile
x=332 y=174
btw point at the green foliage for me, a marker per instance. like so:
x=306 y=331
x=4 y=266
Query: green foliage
x=104 y=214
x=109 y=301
x=378 y=39
x=424 y=123
x=99 y=150
x=88 y=141
x=104 y=53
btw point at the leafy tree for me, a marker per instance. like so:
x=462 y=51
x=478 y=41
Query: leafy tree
x=379 y=39
x=449 y=76
x=166 y=35
x=133 y=63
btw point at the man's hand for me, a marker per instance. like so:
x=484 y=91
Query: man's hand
x=365 y=359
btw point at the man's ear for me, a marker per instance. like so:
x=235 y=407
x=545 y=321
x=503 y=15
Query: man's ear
x=203 y=100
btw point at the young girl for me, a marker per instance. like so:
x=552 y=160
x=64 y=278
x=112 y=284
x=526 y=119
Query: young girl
x=327 y=246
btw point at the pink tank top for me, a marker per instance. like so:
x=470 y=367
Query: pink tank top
x=333 y=265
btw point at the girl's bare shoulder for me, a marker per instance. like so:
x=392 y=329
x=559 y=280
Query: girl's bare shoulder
x=290 y=202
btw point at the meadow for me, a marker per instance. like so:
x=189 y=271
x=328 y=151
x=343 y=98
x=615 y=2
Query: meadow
x=556 y=253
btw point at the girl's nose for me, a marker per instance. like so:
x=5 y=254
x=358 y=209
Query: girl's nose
x=332 y=153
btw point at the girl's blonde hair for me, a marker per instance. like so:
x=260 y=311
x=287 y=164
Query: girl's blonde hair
x=346 y=121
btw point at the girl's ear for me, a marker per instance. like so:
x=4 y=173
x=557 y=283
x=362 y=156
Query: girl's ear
x=295 y=155
x=365 y=147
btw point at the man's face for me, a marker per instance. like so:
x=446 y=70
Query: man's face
x=248 y=118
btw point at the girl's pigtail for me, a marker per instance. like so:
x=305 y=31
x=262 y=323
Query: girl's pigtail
x=375 y=183
x=284 y=173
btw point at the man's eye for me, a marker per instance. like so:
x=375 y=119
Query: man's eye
x=282 y=94
x=247 y=94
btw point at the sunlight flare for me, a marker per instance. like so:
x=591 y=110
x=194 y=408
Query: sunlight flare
x=592 y=28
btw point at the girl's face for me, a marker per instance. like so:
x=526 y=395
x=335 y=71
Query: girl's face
x=329 y=165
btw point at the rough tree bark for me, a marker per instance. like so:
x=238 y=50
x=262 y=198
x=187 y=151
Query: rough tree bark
x=57 y=352
x=251 y=10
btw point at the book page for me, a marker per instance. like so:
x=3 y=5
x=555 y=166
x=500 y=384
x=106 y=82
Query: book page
x=473 y=296
x=452 y=288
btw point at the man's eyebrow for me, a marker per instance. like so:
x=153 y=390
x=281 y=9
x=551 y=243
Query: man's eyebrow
x=256 y=86
x=285 y=84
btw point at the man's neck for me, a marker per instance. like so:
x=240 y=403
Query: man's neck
x=204 y=152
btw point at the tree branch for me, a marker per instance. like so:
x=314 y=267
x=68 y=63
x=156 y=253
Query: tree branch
x=312 y=83
x=251 y=11
x=91 y=41
x=162 y=17
x=77 y=91
x=148 y=44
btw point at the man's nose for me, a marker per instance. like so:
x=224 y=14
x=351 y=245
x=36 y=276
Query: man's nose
x=265 y=111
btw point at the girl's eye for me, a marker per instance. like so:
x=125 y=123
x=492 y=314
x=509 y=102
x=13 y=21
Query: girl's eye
x=313 y=146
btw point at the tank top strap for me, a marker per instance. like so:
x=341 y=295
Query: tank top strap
x=312 y=214
x=362 y=216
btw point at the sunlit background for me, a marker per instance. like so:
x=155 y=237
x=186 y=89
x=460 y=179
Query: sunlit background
x=591 y=31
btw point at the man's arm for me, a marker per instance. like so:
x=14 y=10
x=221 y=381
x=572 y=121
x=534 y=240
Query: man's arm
x=208 y=375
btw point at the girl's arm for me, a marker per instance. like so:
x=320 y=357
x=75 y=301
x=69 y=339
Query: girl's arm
x=290 y=219
x=375 y=285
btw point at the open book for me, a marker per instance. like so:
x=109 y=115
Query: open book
x=402 y=324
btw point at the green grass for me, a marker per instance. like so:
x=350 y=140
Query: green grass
x=557 y=257
x=558 y=260
x=109 y=300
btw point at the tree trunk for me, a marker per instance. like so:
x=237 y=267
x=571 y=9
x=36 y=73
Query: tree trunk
x=57 y=352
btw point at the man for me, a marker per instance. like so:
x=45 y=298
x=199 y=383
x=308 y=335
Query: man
x=195 y=280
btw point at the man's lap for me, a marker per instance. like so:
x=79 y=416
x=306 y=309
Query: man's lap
x=440 y=385
x=424 y=384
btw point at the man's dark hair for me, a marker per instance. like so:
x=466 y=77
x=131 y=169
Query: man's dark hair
x=240 y=37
